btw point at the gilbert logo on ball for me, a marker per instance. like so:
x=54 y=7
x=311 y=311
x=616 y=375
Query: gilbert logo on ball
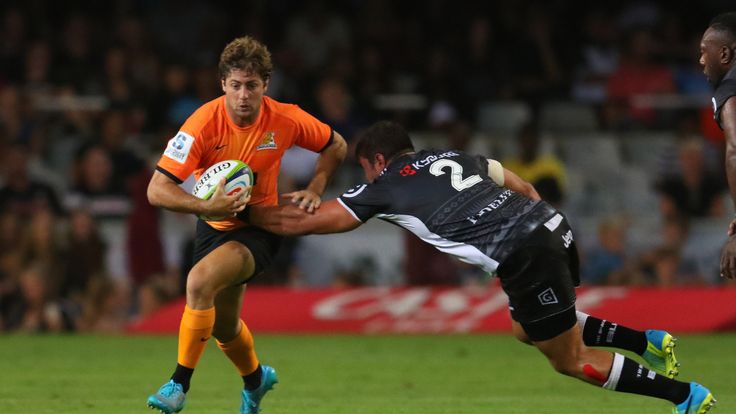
x=237 y=173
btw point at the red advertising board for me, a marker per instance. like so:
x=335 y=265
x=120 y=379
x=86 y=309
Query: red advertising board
x=458 y=310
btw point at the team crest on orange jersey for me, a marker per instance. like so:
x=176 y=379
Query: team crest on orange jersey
x=267 y=141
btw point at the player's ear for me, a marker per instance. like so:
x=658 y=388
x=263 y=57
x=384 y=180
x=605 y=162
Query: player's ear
x=266 y=82
x=222 y=83
x=728 y=54
x=379 y=161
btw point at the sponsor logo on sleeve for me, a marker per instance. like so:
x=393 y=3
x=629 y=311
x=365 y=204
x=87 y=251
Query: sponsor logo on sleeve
x=179 y=147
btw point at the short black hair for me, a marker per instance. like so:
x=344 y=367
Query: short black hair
x=383 y=137
x=725 y=22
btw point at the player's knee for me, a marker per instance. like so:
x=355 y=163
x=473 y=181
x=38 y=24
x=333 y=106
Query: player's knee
x=567 y=363
x=200 y=287
x=565 y=366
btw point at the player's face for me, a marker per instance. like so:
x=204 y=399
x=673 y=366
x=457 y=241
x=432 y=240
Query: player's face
x=711 y=47
x=371 y=170
x=243 y=94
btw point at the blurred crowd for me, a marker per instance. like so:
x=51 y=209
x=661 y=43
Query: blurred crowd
x=90 y=92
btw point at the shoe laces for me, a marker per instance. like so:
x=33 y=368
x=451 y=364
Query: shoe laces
x=170 y=388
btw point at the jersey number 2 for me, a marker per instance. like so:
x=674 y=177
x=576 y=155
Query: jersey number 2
x=456 y=174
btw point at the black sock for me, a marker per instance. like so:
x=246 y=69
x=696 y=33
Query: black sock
x=598 y=332
x=182 y=375
x=629 y=376
x=253 y=380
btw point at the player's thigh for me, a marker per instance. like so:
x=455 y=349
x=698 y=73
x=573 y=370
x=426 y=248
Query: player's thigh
x=227 y=265
x=228 y=304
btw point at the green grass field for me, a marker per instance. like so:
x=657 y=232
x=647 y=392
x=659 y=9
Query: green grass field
x=333 y=374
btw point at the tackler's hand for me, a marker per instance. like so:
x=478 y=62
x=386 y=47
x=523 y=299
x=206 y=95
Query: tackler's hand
x=307 y=200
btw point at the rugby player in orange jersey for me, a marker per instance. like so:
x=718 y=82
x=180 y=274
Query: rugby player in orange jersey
x=248 y=126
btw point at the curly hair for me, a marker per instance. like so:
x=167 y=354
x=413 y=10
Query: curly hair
x=246 y=54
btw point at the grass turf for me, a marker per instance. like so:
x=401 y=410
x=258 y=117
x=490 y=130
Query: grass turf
x=333 y=374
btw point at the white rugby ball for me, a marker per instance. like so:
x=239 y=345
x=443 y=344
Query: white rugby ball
x=237 y=173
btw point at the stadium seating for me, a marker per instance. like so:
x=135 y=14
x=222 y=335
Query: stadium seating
x=502 y=118
x=565 y=117
x=648 y=150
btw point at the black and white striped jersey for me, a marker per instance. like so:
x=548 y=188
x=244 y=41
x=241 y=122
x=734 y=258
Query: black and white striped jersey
x=726 y=89
x=447 y=199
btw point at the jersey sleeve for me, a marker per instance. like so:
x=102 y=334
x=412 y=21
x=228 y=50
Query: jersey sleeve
x=366 y=200
x=482 y=163
x=725 y=90
x=182 y=154
x=311 y=133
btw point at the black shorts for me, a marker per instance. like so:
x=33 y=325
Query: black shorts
x=540 y=279
x=262 y=244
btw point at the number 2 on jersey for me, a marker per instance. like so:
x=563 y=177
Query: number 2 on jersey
x=456 y=174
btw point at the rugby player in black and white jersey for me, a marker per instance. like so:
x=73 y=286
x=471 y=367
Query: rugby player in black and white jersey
x=476 y=210
x=718 y=58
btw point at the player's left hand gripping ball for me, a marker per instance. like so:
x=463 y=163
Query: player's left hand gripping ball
x=238 y=179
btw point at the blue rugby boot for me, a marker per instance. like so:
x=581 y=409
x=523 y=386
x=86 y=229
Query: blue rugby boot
x=700 y=401
x=660 y=353
x=251 y=400
x=169 y=399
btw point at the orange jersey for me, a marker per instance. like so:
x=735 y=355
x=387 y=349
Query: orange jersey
x=210 y=136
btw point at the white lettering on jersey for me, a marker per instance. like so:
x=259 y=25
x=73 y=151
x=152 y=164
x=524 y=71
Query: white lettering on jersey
x=179 y=146
x=496 y=203
x=432 y=158
x=567 y=238
x=456 y=174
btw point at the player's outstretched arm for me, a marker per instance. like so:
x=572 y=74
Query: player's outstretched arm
x=290 y=220
x=164 y=192
x=517 y=184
